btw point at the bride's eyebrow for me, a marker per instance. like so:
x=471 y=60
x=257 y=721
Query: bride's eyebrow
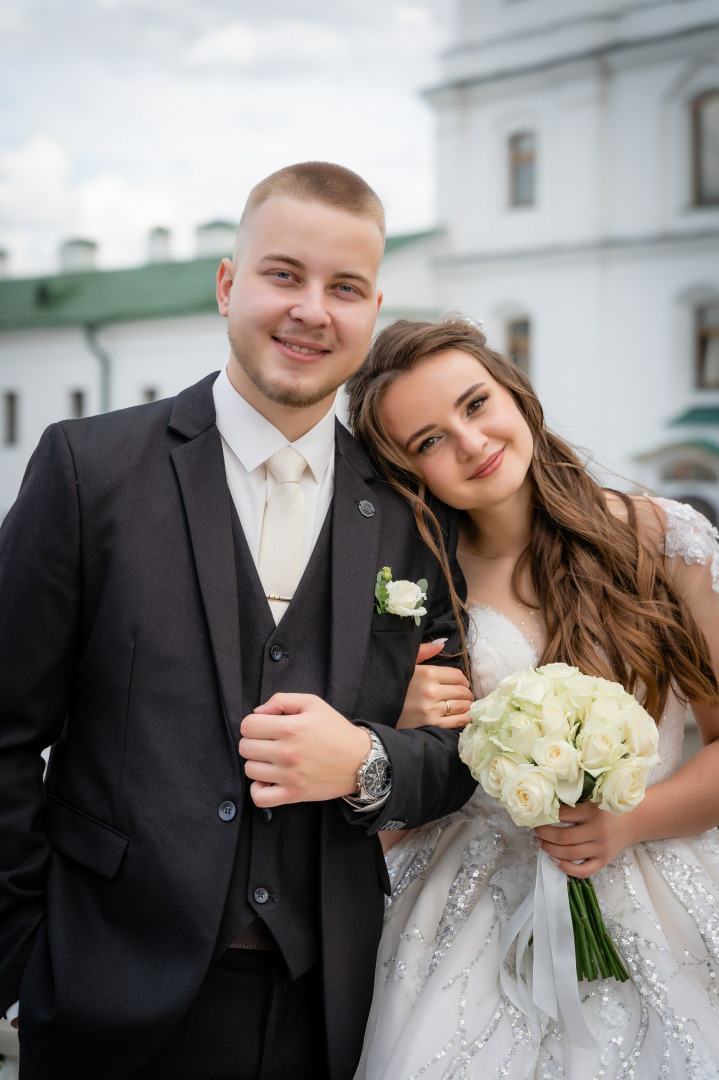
x=467 y=393
x=457 y=405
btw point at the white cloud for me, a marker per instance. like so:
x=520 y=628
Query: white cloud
x=281 y=44
x=168 y=111
x=34 y=183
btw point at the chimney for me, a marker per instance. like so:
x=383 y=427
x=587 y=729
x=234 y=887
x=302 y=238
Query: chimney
x=216 y=238
x=77 y=255
x=158 y=245
x=4 y=260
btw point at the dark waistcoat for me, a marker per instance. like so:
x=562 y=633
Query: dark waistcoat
x=276 y=871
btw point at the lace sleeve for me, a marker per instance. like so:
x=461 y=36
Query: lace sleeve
x=689 y=535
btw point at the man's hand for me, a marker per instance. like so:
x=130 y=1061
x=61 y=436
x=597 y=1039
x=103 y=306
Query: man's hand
x=299 y=749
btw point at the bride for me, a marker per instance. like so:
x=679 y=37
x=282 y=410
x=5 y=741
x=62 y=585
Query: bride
x=557 y=569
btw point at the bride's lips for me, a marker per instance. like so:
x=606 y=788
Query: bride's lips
x=306 y=352
x=489 y=466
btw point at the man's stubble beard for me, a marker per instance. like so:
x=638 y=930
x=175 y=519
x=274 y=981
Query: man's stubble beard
x=293 y=397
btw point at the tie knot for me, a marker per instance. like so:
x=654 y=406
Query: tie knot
x=287 y=465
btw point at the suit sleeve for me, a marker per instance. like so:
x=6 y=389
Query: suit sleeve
x=428 y=778
x=39 y=617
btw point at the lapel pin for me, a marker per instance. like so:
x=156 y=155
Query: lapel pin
x=366 y=508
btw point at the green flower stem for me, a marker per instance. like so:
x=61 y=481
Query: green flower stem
x=613 y=957
x=580 y=941
x=593 y=948
x=600 y=930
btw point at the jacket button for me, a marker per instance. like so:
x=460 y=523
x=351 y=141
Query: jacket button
x=276 y=652
x=227 y=811
x=265 y=814
x=261 y=896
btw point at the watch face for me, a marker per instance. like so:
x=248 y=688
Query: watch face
x=377 y=778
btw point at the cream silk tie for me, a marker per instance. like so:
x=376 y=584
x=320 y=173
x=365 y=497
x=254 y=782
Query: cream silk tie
x=283 y=531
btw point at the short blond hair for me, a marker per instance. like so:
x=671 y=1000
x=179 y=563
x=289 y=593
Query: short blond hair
x=320 y=182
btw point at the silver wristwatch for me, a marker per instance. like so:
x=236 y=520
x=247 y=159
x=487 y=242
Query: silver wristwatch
x=374 y=777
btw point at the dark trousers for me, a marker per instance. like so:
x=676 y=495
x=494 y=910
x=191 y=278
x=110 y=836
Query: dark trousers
x=248 y=1022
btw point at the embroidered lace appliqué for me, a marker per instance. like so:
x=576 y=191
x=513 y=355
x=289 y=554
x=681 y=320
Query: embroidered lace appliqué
x=690 y=535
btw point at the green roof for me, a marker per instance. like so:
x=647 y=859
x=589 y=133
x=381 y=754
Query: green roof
x=94 y=297
x=707 y=415
x=690 y=444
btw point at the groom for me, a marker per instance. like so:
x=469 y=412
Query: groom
x=179 y=581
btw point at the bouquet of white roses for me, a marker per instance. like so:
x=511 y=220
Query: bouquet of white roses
x=550 y=736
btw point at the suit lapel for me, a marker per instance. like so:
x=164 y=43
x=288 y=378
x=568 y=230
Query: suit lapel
x=200 y=469
x=355 y=554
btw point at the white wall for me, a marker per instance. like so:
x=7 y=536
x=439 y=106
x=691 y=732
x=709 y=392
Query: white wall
x=45 y=366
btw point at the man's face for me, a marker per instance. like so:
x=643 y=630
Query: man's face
x=301 y=301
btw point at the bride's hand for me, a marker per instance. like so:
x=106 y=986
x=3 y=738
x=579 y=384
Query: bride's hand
x=439 y=696
x=596 y=837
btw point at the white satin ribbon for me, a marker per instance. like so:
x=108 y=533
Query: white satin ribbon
x=546 y=973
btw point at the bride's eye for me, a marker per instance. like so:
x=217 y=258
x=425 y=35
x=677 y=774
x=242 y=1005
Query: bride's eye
x=476 y=403
x=427 y=443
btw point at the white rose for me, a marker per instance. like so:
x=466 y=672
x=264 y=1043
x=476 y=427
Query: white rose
x=558 y=755
x=531 y=688
x=601 y=746
x=488 y=709
x=404 y=598
x=558 y=671
x=518 y=733
x=641 y=735
x=615 y=692
x=578 y=690
x=474 y=747
x=530 y=796
x=623 y=786
x=565 y=762
x=606 y=711
x=553 y=719
x=496 y=769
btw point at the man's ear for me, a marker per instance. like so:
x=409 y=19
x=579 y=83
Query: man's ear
x=225 y=278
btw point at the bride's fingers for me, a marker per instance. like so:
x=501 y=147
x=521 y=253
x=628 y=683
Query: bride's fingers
x=451 y=676
x=583 y=870
x=454 y=720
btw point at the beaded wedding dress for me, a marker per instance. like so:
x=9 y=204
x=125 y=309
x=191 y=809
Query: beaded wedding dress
x=439 y=1012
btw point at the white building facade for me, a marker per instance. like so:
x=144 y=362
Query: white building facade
x=578 y=151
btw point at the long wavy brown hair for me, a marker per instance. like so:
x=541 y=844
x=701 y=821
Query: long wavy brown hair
x=606 y=599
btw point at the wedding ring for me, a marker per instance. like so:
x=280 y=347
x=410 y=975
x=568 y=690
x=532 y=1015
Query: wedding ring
x=449 y=709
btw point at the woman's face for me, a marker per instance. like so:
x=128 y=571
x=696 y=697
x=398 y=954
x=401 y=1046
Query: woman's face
x=462 y=429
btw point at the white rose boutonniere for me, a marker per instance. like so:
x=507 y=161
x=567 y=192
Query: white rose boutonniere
x=400 y=597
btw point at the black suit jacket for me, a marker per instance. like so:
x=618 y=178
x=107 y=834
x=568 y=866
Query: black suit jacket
x=120 y=646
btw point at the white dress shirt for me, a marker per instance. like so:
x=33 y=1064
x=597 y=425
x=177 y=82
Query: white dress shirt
x=248 y=440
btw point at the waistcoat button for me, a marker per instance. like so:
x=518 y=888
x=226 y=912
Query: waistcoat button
x=276 y=652
x=261 y=896
x=227 y=811
x=265 y=814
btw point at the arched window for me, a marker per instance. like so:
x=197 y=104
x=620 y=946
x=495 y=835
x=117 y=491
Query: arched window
x=705 y=125
x=522 y=149
x=683 y=471
x=707 y=349
x=518 y=342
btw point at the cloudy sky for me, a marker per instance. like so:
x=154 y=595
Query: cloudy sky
x=119 y=115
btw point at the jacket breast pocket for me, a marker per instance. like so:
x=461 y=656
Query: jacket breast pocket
x=84 y=839
x=386 y=623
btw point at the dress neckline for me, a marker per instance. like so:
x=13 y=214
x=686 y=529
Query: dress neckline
x=473 y=605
